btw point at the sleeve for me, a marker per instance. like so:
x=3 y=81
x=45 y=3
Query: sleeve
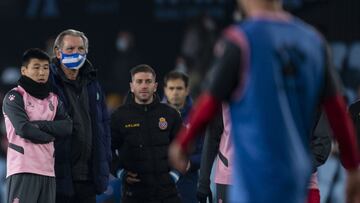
x=209 y=152
x=354 y=111
x=227 y=77
x=177 y=125
x=61 y=126
x=334 y=106
x=117 y=141
x=320 y=142
x=223 y=77
x=13 y=108
x=106 y=126
x=195 y=156
x=116 y=135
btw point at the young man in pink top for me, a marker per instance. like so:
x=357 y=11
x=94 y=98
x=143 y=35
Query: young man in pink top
x=34 y=118
x=217 y=143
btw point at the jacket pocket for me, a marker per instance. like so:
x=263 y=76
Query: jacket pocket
x=17 y=148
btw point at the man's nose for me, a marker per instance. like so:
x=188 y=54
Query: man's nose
x=41 y=72
x=144 y=85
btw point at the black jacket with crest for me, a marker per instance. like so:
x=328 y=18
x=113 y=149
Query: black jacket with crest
x=141 y=134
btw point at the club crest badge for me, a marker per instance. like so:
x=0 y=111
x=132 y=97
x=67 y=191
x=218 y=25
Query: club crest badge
x=51 y=106
x=163 y=123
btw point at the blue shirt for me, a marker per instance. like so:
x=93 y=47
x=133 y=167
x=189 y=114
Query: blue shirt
x=273 y=73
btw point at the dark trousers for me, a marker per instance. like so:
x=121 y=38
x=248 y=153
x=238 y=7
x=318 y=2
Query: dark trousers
x=30 y=188
x=84 y=193
x=222 y=192
x=172 y=199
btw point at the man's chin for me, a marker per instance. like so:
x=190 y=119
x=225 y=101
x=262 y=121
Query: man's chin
x=144 y=100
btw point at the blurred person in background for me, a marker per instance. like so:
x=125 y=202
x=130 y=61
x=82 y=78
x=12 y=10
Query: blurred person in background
x=196 y=50
x=176 y=90
x=34 y=118
x=82 y=161
x=273 y=93
x=218 y=144
x=126 y=57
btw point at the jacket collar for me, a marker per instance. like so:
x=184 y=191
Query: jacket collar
x=183 y=111
x=130 y=100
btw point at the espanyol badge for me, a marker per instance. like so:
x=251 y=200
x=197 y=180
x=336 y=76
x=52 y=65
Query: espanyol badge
x=51 y=106
x=162 y=123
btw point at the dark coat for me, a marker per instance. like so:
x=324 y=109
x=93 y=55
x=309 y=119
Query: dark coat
x=101 y=139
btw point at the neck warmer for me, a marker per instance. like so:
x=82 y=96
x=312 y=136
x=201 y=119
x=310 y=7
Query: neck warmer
x=35 y=89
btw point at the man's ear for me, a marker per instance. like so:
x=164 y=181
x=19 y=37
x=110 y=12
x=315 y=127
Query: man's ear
x=57 y=53
x=131 y=87
x=187 y=91
x=156 y=85
x=22 y=70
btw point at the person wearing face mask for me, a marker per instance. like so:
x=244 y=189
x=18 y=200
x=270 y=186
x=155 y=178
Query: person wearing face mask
x=82 y=161
x=34 y=118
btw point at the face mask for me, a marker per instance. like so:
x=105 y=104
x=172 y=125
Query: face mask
x=73 y=61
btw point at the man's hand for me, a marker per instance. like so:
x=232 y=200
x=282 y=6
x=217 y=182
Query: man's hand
x=188 y=166
x=353 y=186
x=131 y=177
x=202 y=197
x=177 y=157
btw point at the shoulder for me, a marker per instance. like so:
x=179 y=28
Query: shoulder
x=13 y=95
x=309 y=30
x=120 y=112
x=168 y=109
x=234 y=35
x=13 y=99
x=355 y=107
x=54 y=95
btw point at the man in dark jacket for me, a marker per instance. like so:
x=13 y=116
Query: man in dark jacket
x=142 y=130
x=81 y=162
x=176 y=89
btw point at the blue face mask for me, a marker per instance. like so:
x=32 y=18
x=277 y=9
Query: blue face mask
x=73 y=61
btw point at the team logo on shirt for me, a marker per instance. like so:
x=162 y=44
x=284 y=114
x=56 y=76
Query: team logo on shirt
x=11 y=97
x=51 y=106
x=163 y=123
x=29 y=104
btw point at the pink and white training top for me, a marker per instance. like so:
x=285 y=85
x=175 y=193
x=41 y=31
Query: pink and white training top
x=23 y=155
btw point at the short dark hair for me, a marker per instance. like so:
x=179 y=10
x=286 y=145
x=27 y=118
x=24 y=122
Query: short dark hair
x=34 y=53
x=142 y=68
x=173 y=75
